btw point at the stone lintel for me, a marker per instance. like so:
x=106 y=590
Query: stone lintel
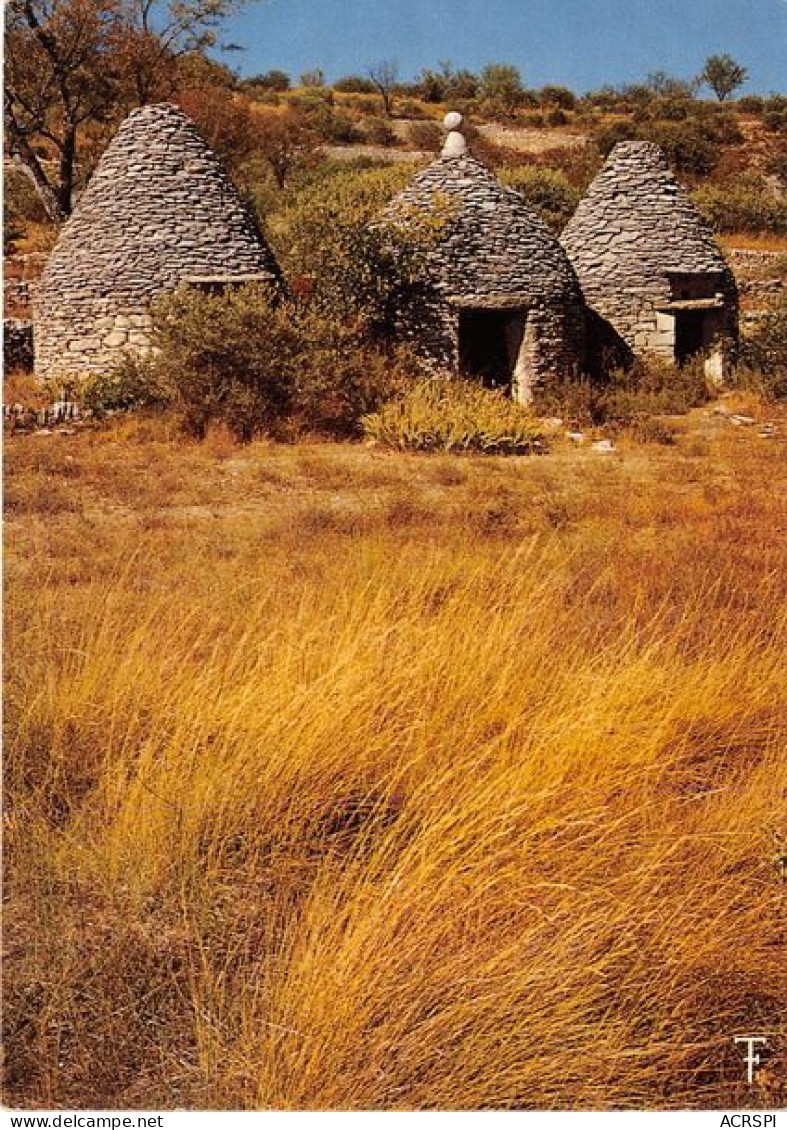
x=489 y=301
x=228 y=279
x=716 y=303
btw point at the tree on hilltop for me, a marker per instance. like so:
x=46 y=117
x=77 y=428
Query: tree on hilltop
x=501 y=83
x=383 y=76
x=723 y=75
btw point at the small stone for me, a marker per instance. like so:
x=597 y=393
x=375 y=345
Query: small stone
x=576 y=437
x=603 y=446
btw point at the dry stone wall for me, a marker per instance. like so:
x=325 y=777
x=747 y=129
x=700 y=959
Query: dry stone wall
x=493 y=252
x=159 y=208
x=638 y=245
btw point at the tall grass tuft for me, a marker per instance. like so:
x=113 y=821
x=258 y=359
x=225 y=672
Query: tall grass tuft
x=346 y=816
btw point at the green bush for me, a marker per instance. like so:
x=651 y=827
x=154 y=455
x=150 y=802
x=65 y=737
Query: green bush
x=376 y=131
x=454 y=415
x=232 y=358
x=332 y=125
x=354 y=84
x=751 y=104
x=352 y=269
x=21 y=207
x=692 y=146
x=762 y=357
x=425 y=135
x=261 y=365
x=775 y=121
x=627 y=397
x=689 y=146
x=270 y=80
x=559 y=96
x=747 y=204
x=133 y=383
x=673 y=108
x=548 y=191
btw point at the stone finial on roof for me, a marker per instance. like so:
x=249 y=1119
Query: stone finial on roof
x=455 y=143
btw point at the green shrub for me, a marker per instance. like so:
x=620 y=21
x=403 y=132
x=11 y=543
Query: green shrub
x=261 y=365
x=333 y=125
x=547 y=190
x=425 y=135
x=559 y=96
x=775 y=121
x=689 y=146
x=21 y=207
x=673 y=108
x=747 y=204
x=376 y=131
x=270 y=80
x=692 y=146
x=353 y=271
x=762 y=356
x=133 y=383
x=354 y=84
x=454 y=415
x=627 y=397
x=556 y=117
x=232 y=358
x=751 y=104
x=342 y=378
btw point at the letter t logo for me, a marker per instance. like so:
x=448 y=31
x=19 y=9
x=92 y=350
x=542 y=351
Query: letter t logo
x=752 y=1058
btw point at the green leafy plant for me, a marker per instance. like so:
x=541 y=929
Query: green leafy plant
x=747 y=203
x=457 y=416
x=135 y=382
x=231 y=358
x=627 y=397
x=549 y=191
x=377 y=131
x=762 y=357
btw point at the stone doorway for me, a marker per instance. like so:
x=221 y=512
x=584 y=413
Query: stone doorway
x=691 y=335
x=490 y=342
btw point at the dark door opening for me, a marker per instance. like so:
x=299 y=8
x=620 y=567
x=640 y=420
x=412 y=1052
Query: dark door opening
x=689 y=334
x=489 y=343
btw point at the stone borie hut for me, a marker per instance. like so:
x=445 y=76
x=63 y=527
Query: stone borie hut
x=505 y=306
x=158 y=210
x=653 y=276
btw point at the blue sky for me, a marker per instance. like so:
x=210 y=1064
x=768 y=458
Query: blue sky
x=583 y=44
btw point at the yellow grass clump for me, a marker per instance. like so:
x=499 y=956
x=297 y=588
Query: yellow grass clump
x=354 y=780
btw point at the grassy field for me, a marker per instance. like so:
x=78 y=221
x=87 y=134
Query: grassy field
x=337 y=778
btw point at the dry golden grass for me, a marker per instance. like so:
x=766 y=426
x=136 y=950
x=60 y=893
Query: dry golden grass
x=344 y=779
x=753 y=241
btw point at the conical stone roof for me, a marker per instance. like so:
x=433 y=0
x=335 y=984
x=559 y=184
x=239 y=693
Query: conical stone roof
x=494 y=245
x=636 y=222
x=159 y=208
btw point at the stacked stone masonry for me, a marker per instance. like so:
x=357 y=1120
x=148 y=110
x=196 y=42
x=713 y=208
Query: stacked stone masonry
x=493 y=253
x=159 y=208
x=646 y=260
